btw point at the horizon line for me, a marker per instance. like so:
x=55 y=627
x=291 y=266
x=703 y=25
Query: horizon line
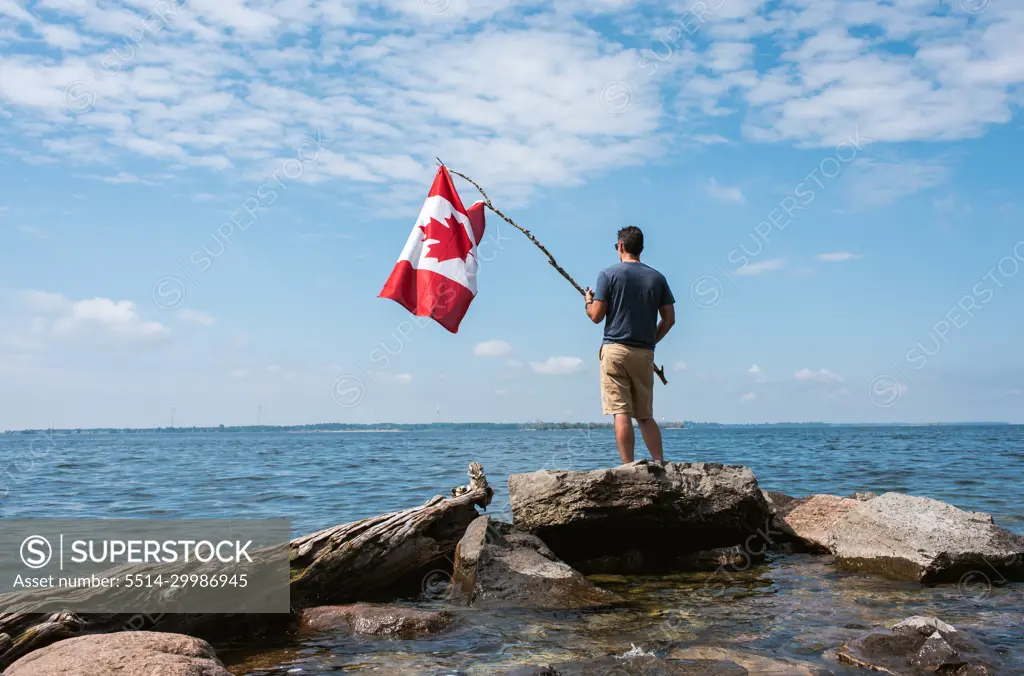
x=381 y=425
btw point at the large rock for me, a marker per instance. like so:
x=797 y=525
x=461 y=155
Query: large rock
x=518 y=570
x=375 y=620
x=132 y=653
x=921 y=645
x=645 y=514
x=911 y=538
x=809 y=520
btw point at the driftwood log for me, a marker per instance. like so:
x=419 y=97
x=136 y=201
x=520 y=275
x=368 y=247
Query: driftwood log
x=372 y=558
x=361 y=559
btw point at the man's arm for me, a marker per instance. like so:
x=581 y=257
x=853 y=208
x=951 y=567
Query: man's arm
x=668 y=320
x=596 y=309
x=667 y=310
x=597 y=302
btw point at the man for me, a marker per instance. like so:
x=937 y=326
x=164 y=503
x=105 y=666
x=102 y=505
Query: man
x=629 y=298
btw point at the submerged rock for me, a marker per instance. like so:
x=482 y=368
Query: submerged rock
x=132 y=653
x=375 y=620
x=518 y=570
x=754 y=664
x=809 y=520
x=911 y=538
x=640 y=517
x=636 y=666
x=734 y=558
x=920 y=645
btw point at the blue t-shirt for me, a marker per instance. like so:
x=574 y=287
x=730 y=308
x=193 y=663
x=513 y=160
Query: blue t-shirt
x=633 y=292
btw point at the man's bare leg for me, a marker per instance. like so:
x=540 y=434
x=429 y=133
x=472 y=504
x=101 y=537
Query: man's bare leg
x=652 y=437
x=624 y=436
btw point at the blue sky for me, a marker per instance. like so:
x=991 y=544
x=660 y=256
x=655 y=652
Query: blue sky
x=201 y=200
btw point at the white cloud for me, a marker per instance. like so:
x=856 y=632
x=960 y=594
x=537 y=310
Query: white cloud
x=125 y=177
x=213 y=82
x=59 y=36
x=195 y=317
x=106 y=317
x=118 y=315
x=729 y=56
x=492 y=348
x=749 y=396
x=957 y=77
x=725 y=193
x=680 y=366
x=820 y=376
x=556 y=366
x=402 y=378
x=239 y=373
x=120 y=178
x=838 y=257
x=762 y=267
x=514 y=363
x=754 y=370
x=874 y=184
x=709 y=139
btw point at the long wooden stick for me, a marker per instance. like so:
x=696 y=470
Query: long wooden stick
x=660 y=371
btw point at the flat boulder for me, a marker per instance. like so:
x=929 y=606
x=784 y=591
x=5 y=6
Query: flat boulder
x=639 y=517
x=809 y=520
x=921 y=645
x=369 y=619
x=518 y=570
x=130 y=653
x=912 y=538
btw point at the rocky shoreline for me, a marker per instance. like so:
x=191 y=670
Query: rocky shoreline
x=570 y=533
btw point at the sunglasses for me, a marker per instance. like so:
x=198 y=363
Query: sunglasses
x=617 y=246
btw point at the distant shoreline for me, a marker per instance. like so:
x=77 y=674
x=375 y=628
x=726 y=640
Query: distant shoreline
x=467 y=427
x=366 y=431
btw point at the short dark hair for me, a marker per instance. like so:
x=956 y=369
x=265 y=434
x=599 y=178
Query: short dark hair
x=632 y=240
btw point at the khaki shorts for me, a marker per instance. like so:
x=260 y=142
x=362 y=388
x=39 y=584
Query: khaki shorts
x=627 y=380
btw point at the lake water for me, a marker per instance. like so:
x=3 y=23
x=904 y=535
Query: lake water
x=793 y=606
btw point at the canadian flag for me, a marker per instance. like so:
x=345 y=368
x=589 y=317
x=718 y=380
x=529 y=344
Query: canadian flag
x=436 y=274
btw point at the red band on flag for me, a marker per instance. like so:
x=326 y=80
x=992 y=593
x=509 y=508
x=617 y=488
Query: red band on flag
x=428 y=294
x=476 y=219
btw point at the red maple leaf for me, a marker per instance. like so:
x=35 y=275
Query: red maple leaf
x=451 y=240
